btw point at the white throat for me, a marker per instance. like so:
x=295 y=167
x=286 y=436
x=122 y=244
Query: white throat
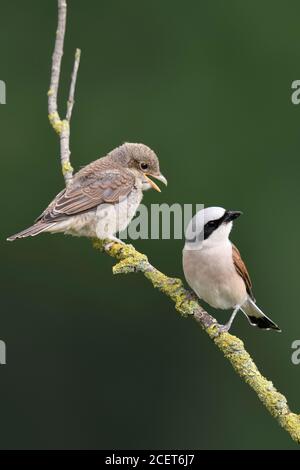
x=219 y=237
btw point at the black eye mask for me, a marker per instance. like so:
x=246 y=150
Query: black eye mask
x=212 y=225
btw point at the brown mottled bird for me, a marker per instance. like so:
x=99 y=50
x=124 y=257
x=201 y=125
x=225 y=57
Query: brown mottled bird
x=214 y=269
x=103 y=196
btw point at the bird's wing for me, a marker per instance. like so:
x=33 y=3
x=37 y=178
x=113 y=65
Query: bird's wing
x=242 y=270
x=52 y=204
x=93 y=185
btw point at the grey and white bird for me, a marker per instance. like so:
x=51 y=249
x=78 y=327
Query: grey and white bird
x=214 y=269
x=103 y=196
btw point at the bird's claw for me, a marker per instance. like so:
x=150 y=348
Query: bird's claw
x=224 y=328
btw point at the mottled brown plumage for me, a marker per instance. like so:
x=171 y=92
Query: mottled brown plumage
x=102 y=181
x=109 y=180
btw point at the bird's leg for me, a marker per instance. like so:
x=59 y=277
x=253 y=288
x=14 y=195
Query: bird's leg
x=227 y=326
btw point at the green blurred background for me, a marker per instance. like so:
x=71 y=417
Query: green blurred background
x=100 y=362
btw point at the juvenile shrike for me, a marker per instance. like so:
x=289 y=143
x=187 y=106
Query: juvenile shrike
x=214 y=269
x=103 y=196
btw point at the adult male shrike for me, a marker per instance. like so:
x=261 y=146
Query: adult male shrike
x=214 y=269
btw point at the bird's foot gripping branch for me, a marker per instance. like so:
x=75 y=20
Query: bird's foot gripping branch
x=132 y=261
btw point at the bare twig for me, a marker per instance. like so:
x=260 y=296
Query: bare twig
x=130 y=260
x=73 y=85
x=56 y=65
x=62 y=127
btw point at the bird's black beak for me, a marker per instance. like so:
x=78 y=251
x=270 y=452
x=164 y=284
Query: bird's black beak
x=231 y=215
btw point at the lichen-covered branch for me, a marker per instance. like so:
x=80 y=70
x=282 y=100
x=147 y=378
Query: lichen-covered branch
x=62 y=126
x=130 y=260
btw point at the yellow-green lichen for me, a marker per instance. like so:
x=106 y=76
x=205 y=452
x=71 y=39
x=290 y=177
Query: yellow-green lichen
x=122 y=252
x=97 y=244
x=66 y=168
x=65 y=126
x=213 y=331
x=55 y=122
x=130 y=264
x=291 y=422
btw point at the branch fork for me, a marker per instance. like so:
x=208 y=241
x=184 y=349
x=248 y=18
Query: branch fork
x=62 y=126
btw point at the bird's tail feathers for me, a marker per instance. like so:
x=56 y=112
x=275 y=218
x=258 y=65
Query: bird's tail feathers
x=31 y=231
x=256 y=317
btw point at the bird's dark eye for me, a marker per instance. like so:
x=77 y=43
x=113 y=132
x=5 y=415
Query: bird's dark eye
x=211 y=223
x=144 y=166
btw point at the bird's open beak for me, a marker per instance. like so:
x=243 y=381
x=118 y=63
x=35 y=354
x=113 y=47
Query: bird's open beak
x=159 y=177
x=231 y=215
